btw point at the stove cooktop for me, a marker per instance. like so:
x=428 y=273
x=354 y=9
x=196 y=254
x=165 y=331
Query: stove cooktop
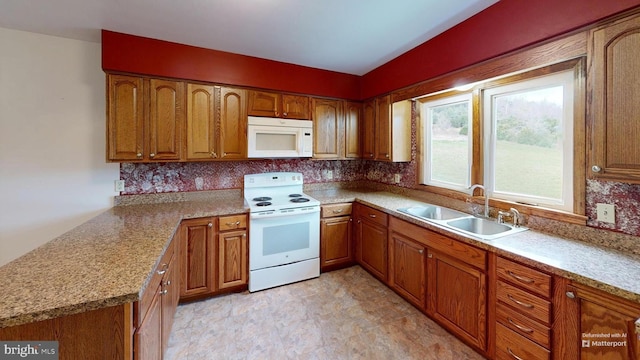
x=276 y=191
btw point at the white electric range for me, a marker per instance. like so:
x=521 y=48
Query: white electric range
x=284 y=230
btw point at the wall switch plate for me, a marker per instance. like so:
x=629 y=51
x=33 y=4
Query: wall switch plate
x=119 y=185
x=396 y=178
x=606 y=213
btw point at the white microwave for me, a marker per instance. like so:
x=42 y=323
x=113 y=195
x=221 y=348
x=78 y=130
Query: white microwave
x=279 y=138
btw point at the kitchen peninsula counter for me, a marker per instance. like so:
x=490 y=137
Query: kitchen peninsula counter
x=109 y=260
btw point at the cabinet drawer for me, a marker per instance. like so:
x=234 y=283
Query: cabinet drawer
x=373 y=215
x=523 y=325
x=524 y=303
x=146 y=299
x=511 y=346
x=232 y=222
x=336 y=210
x=524 y=277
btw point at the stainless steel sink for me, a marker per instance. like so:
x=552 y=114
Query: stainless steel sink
x=433 y=212
x=462 y=223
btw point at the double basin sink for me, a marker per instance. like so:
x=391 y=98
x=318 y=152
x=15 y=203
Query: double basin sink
x=460 y=222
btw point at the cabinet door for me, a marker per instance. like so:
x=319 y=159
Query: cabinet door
x=198 y=252
x=295 y=107
x=232 y=260
x=408 y=269
x=148 y=337
x=457 y=297
x=352 y=116
x=263 y=103
x=125 y=120
x=233 y=123
x=201 y=126
x=166 y=119
x=603 y=326
x=372 y=248
x=615 y=89
x=368 y=129
x=335 y=242
x=383 y=129
x=327 y=129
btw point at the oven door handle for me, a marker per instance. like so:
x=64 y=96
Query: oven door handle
x=283 y=213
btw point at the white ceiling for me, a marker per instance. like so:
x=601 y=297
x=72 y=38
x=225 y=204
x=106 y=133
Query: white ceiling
x=348 y=36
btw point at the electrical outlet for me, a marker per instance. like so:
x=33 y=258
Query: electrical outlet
x=329 y=174
x=396 y=178
x=606 y=213
x=119 y=185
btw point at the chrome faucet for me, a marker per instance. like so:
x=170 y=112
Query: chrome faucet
x=486 y=198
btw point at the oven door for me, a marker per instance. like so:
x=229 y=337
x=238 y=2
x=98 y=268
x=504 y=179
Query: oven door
x=282 y=239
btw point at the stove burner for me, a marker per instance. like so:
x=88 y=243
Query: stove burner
x=295 y=195
x=299 y=200
x=264 y=203
x=261 y=198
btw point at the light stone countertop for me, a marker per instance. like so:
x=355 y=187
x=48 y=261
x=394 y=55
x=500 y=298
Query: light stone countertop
x=109 y=260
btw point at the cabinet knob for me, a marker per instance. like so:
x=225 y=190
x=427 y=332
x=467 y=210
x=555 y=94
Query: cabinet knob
x=430 y=256
x=371 y=155
x=164 y=292
x=386 y=155
x=284 y=114
x=210 y=224
x=596 y=168
x=372 y=215
x=139 y=155
x=571 y=295
x=152 y=155
x=276 y=113
x=420 y=251
x=213 y=154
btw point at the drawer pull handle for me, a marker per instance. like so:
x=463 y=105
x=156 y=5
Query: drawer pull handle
x=520 y=327
x=337 y=211
x=233 y=223
x=513 y=355
x=372 y=215
x=522 y=279
x=164 y=269
x=523 y=304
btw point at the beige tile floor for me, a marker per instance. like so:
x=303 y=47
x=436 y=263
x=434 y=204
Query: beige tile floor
x=345 y=314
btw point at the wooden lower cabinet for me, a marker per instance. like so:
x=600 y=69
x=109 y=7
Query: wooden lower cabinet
x=600 y=326
x=457 y=296
x=197 y=252
x=214 y=255
x=336 y=244
x=371 y=240
x=408 y=263
x=148 y=336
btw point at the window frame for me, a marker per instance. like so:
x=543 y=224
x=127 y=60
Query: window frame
x=578 y=64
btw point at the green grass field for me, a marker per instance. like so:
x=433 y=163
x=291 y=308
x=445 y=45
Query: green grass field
x=520 y=168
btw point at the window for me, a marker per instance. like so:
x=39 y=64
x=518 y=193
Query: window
x=447 y=141
x=514 y=134
x=529 y=141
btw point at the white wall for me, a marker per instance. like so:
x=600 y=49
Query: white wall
x=53 y=174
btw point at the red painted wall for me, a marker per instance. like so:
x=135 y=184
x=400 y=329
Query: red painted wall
x=506 y=26
x=129 y=53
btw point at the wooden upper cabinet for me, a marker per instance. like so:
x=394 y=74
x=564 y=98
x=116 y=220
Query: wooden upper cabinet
x=233 y=123
x=383 y=129
x=166 y=119
x=352 y=116
x=614 y=90
x=145 y=119
x=295 y=106
x=201 y=126
x=368 y=129
x=125 y=118
x=262 y=103
x=328 y=130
